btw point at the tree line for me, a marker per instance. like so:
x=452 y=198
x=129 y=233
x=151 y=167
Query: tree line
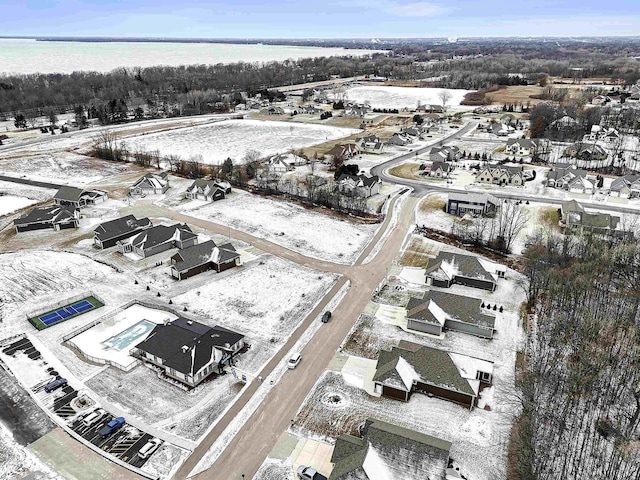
x=580 y=387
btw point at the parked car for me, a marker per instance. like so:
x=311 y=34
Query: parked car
x=308 y=473
x=93 y=417
x=55 y=384
x=111 y=427
x=149 y=447
x=294 y=361
x=326 y=316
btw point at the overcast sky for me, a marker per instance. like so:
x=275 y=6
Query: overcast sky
x=313 y=18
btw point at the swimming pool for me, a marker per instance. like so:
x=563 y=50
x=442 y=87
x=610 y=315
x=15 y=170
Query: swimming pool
x=126 y=337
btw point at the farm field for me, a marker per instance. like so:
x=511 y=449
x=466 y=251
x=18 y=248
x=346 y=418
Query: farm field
x=310 y=233
x=233 y=138
x=402 y=97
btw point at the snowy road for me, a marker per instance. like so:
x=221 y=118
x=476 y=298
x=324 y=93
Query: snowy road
x=274 y=415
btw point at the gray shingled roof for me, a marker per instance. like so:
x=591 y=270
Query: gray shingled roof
x=50 y=213
x=432 y=365
x=458 y=307
x=203 y=253
x=120 y=226
x=68 y=194
x=468 y=266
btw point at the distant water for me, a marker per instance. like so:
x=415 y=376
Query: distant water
x=30 y=56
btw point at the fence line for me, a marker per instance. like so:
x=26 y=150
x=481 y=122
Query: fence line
x=65 y=302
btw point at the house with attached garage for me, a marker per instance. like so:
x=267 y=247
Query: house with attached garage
x=409 y=368
x=575 y=218
x=571 y=179
x=440 y=169
x=387 y=451
x=444 y=154
x=107 y=234
x=361 y=185
x=52 y=217
x=456 y=268
x=189 y=351
x=208 y=190
x=499 y=175
x=399 y=140
x=78 y=197
x=436 y=312
x=204 y=256
x=370 y=144
x=158 y=239
x=521 y=146
x=150 y=184
x=344 y=151
x=476 y=204
x=626 y=187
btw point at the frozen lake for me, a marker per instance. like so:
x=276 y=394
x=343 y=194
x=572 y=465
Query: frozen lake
x=30 y=56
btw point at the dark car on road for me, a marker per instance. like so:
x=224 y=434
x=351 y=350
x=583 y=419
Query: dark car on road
x=326 y=316
x=55 y=384
x=111 y=427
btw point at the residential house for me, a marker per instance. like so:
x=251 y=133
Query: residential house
x=501 y=129
x=150 y=184
x=208 y=190
x=436 y=312
x=370 y=144
x=361 y=185
x=599 y=133
x=626 y=187
x=521 y=146
x=587 y=152
x=189 y=351
x=78 y=197
x=575 y=218
x=409 y=368
x=311 y=109
x=571 y=179
x=376 y=452
x=399 y=139
x=444 y=154
x=440 y=169
x=476 y=204
x=415 y=132
x=456 y=268
x=204 y=256
x=344 y=151
x=272 y=111
x=356 y=110
x=600 y=100
x=157 y=239
x=53 y=217
x=107 y=234
x=500 y=175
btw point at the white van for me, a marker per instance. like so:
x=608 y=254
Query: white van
x=149 y=447
x=93 y=417
x=294 y=361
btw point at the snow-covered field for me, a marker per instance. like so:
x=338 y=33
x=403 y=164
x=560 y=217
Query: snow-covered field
x=63 y=168
x=11 y=203
x=403 y=97
x=310 y=233
x=233 y=138
x=265 y=300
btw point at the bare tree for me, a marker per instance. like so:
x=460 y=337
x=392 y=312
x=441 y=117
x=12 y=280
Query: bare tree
x=444 y=97
x=509 y=222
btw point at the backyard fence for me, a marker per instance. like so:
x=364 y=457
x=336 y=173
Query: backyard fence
x=64 y=303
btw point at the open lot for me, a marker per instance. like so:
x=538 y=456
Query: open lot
x=310 y=233
x=233 y=138
x=266 y=300
x=402 y=97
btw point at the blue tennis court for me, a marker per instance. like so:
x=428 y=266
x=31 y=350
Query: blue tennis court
x=66 y=312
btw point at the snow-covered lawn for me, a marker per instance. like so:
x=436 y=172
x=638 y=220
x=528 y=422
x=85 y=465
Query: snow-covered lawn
x=11 y=203
x=478 y=437
x=403 y=97
x=310 y=233
x=233 y=138
x=265 y=300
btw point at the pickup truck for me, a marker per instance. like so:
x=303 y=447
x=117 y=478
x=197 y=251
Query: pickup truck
x=111 y=427
x=308 y=473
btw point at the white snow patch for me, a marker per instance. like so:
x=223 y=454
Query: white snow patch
x=374 y=466
x=403 y=97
